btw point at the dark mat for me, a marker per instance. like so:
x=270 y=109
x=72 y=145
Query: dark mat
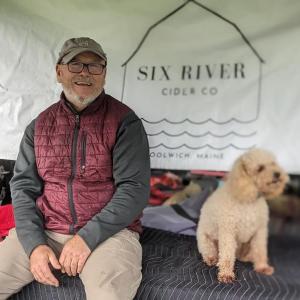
x=173 y=269
x=71 y=288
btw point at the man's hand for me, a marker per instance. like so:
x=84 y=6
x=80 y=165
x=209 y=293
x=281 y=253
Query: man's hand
x=74 y=255
x=40 y=258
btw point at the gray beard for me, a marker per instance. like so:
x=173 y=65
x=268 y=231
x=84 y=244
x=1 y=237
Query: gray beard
x=77 y=100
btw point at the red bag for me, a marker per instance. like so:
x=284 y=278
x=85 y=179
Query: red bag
x=7 y=221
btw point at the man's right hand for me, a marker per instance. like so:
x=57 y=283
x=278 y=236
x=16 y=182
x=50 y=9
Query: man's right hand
x=40 y=258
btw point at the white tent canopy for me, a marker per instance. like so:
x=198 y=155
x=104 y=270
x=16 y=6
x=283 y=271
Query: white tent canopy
x=209 y=79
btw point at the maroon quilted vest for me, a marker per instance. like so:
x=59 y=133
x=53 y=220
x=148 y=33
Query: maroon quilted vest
x=74 y=158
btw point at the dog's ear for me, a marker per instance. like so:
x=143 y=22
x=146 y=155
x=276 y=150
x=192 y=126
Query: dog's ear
x=242 y=187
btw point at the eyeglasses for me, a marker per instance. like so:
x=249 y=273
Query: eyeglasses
x=93 y=68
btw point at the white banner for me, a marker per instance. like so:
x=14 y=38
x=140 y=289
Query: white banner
x=209 y=79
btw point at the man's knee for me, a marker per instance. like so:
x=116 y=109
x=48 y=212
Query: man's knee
x=14 y=266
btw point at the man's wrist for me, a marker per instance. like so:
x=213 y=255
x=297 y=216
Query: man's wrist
x=35 y=248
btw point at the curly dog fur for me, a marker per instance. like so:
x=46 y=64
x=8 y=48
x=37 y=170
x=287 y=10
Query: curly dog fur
x=234 y=220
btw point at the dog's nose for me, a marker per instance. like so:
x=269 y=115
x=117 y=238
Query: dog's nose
x=276 y=175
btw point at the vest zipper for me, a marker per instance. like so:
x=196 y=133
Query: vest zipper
x=73 y=173
x=83 y=152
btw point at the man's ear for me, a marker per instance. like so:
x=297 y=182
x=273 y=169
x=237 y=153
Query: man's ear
x=58 y=73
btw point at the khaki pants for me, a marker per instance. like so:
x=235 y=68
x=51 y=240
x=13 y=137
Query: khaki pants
x=112 y=271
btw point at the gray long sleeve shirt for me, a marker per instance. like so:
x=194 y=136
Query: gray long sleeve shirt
x=131 y=172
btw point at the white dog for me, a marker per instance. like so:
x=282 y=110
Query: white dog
x=234 y=219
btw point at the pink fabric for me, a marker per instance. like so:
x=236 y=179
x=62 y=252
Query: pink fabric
x=6 y=220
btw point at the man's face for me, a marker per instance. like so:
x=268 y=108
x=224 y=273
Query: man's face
x=81 y=88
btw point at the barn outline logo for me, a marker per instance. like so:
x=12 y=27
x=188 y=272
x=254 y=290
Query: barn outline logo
x=150 y=73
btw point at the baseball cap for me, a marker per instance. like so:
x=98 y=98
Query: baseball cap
x=75 y=46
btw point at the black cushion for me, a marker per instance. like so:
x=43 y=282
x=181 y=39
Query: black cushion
x=173 y=269
x=71 y=288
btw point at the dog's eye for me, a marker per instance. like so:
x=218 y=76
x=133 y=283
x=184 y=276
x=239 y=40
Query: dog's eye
x=260 y=168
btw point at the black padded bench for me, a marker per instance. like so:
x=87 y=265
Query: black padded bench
x=173 y=269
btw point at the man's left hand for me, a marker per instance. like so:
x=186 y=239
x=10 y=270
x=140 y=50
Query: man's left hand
x=74 y=255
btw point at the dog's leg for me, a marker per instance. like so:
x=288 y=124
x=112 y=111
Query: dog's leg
x=227 y=250
x=208 y=249
x=259 y=252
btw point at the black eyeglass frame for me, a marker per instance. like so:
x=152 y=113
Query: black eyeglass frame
x=87 y=66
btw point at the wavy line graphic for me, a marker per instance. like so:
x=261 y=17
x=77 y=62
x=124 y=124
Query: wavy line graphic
x=200 y=122
x=201 y=147
x=204 y=134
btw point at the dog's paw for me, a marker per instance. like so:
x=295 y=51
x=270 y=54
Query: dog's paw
x=267 y=270
x=210 y=260
x=226 y=277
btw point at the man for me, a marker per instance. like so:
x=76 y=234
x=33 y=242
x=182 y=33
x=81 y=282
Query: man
x=80 y=183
